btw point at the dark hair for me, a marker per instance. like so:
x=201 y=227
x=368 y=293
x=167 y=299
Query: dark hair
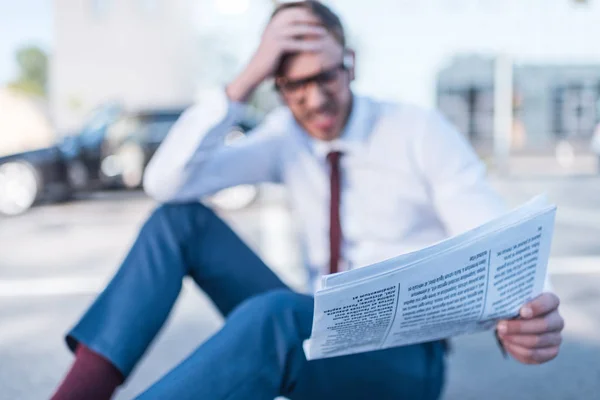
x=328 y=19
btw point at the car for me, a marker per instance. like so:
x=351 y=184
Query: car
x=101 y=155
x=122 y=143
x=116 y=145
x=32 y=176
x=111 y=151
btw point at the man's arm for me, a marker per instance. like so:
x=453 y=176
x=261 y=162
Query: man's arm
x=456 y=177
x=464 y=199
x=193 y=161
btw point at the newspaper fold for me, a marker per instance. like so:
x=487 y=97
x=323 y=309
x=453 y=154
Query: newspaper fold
x=461 y=285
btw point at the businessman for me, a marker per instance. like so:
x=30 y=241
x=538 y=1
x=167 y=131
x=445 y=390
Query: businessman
x=367 y=180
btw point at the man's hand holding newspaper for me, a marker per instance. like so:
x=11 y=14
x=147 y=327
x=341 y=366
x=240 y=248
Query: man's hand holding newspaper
x=492 y=276
x=535 y=336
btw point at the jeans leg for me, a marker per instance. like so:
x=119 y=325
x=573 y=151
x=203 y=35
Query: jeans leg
x=258 y=355
x=406 y=372
x=255 y=355
x=177 y=240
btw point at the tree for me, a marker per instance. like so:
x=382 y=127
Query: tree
x=33 y=71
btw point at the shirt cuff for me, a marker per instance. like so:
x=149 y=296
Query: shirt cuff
x=238 y=111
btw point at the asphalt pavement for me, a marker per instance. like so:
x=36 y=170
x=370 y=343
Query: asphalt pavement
x=54 y=260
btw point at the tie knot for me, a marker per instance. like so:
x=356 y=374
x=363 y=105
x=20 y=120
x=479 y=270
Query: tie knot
x=333 y=157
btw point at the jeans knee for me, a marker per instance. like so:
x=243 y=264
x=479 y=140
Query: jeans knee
x=174 y=211
x=275 y=304
x=179 y=215
x=177 y=222
x=279 y=319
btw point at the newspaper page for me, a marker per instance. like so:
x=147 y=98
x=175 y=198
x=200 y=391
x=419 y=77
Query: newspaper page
x=462 y=285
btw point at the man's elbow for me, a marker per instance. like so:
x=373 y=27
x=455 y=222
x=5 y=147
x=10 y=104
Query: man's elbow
x=155 y=187
x=151 y=188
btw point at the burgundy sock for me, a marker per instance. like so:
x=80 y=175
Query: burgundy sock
x=91 y=377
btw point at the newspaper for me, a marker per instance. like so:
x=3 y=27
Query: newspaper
x=461 y=285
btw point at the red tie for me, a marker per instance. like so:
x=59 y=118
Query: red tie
x=335 y=227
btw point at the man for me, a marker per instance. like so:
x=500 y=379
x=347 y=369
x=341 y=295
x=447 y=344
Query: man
x=367 y=181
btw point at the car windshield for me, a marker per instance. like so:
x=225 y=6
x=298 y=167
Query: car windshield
x=158 y=125
x=95 y=128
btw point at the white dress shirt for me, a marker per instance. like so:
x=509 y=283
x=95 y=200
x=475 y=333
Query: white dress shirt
x=409 y=179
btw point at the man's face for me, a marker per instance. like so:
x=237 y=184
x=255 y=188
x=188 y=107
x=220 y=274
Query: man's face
x=316 y=88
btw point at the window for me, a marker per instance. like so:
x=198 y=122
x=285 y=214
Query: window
x=575 y=110
x=157 y=126
x=94 y=130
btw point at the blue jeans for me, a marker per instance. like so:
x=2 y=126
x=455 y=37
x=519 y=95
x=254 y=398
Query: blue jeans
x=258 y=352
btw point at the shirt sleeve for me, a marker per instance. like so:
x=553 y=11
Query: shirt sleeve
x=456 y=177
x=193 y=160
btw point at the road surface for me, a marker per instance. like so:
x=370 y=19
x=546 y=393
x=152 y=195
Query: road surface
x=54 y=259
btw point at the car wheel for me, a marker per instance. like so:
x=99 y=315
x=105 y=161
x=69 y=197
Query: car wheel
x=19 y=187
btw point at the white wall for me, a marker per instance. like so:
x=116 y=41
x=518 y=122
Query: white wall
x=139 y=52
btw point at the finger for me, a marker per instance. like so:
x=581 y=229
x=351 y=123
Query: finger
x=297 y=31
x=541 y=305
x=552 y=322
x=297 y=45
x=531 y=356
x=543 y=340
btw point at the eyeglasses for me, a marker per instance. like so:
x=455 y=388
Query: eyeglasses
x=295 y=90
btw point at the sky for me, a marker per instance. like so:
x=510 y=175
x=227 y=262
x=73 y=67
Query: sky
x=22 y=22
x=401 y=44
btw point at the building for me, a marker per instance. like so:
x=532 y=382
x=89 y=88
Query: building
x=137 y=52
x=552 y=103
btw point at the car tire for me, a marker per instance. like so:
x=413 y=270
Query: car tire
x=19 y=187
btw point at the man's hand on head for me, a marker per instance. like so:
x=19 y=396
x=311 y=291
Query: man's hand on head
x=292 y=30
x=535 y=337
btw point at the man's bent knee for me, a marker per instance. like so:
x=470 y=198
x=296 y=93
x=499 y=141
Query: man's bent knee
x=176 y=211
x=275 y=303
x=182 y=216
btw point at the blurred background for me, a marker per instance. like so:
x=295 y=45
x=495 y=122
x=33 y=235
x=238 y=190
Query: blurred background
x=89 y=88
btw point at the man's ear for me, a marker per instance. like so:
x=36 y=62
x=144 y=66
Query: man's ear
x=350 y=62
